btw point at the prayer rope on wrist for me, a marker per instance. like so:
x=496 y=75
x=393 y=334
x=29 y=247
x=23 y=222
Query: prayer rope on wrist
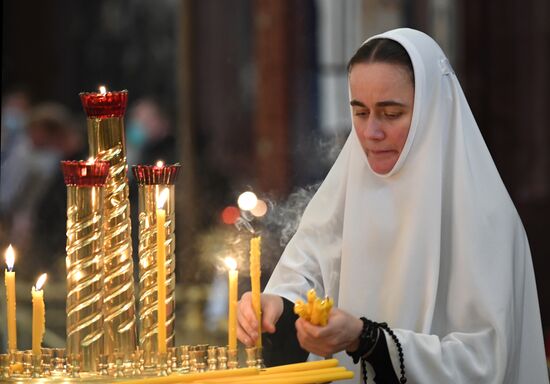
x=367 y=341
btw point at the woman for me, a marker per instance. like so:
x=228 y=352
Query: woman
x=413 y=227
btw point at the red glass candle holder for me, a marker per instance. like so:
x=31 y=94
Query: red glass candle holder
x=156 y=175
x=85 y=174
x=104 y=105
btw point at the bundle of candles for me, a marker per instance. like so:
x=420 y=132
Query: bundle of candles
x=316 y=310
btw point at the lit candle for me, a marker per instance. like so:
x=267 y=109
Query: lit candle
x=255 y=274
x=161 y=270
x=38 y=314
x=233 y=289
x=9 y=279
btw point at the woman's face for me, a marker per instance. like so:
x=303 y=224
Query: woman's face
x=382 y=100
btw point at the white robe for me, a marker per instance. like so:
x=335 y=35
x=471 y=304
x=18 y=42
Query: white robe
x=435 y=248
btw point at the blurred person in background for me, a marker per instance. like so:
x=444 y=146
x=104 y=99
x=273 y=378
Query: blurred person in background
x=149 y=134
x=36 y=213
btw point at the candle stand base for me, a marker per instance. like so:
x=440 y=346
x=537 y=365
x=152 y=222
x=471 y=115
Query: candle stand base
x=222 y=358
x=162 y=365
x=4 y=366
x=232 y=359
x=36 y=366
x=259 y=358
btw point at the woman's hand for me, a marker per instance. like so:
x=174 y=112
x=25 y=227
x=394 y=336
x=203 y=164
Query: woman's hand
x=341 y=333
x=247 y=327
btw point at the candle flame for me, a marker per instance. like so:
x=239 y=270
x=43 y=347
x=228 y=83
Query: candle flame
x=230 y=263
x=162 y=197
x=10 y=257
x=160 y=164
x=102 y=89
x=40 y=282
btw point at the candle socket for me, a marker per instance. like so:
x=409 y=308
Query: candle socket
x=102 y=365
x=36 y=366
x=259 y=358
x=5 y=366
x=162 y=365
x=250 y=356
x=119 y=364
x=172 y=359
x=136 y=364
x=74 y=365
x=200 y=355
x=151 y=181
x=222 y=358
x=107 y=142
x=232 y=358
x=27 y=363
x=46 y=362
x=183 y=357
x=59 y=361
x=212 y=358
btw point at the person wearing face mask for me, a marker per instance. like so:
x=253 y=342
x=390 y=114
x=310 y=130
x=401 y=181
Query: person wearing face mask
x=413 y=235
x=38 y=210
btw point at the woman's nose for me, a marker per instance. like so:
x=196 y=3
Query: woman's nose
x=373 y=130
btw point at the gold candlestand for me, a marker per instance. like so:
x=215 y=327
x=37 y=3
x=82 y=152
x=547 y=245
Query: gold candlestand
x=151 y=181
x=85 y=183
x=106 y=142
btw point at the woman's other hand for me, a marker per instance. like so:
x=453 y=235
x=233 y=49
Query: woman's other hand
x=247 y=327
x=341 y=333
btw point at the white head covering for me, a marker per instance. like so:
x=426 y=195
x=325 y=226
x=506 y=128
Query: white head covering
x=435 y=248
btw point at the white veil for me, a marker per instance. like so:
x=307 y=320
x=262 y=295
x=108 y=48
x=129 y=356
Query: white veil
x=435 y=248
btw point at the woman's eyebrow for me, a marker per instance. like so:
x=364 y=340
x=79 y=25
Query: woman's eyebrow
x=384 y=103
x=390 y=103
x=357 y=103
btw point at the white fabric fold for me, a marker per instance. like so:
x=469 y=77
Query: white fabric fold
x=435 y=248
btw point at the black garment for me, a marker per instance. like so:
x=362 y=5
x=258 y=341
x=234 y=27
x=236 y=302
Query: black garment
x=380 y=361
x=282 y=347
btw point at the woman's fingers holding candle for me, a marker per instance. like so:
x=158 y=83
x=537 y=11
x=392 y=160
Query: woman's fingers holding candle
x=272 y=309
x=341 y=332
x=247 y=328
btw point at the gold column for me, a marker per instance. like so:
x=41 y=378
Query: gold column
x=106 y=142
x=85 y=184
x=151 y=181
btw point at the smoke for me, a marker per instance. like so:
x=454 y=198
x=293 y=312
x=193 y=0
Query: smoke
x=284 y=217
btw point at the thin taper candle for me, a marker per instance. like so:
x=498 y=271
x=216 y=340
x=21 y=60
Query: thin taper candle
x=233 y=291
x=161 y=271
x=9 y=280
x=38 y=315
x=255 y=273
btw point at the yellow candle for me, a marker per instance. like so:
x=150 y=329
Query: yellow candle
x=38 y=315
x=161 y=271
x=273 y=376
x=307 y=379
x=328 y=363
x=232 y=303
x=193 y=377
x=9 y=280
x=255 y=273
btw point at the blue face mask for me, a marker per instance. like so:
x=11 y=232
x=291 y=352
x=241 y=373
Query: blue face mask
x=135 y=134
x=13 y=120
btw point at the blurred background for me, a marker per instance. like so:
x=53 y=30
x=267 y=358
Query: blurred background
x=246 y=95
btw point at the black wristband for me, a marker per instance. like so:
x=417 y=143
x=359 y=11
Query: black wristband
x=367 y=340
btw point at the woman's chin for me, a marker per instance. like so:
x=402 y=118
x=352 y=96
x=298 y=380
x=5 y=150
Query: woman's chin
x=381 y=167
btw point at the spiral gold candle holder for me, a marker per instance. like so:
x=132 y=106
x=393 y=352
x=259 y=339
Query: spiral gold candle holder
x=151 y=181
x=85 y=183
x=106 y=142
